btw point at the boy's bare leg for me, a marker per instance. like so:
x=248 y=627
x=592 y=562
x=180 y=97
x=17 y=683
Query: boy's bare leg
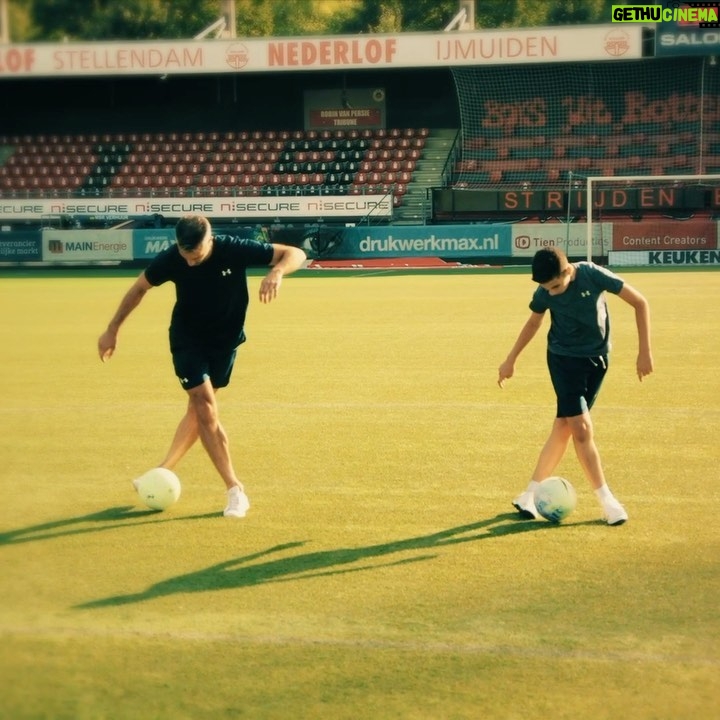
x=587 y=453
x=589 y=458
x=553 y=450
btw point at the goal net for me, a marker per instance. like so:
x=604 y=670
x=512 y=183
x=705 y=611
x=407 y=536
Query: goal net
x=533 y=125
x=652 y=219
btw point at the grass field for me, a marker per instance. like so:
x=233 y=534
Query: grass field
x=380 y=572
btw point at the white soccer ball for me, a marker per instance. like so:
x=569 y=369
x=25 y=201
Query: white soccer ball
x=158 y=488
x=555 y=498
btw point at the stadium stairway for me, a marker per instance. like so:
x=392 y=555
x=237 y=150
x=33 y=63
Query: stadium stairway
x=416 y=207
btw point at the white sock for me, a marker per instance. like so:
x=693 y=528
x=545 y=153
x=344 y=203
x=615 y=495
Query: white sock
x=532 y=486
x=603 y=493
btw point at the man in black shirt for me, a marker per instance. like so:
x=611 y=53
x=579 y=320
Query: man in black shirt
x=206 y=328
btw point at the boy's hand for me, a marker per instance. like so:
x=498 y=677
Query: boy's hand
x=644 y=365
x=505 y=371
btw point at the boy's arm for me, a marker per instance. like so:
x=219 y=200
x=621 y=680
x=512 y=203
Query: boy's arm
x=286 y=259
x=642 y=319
x=528 y=332
x=108 y=340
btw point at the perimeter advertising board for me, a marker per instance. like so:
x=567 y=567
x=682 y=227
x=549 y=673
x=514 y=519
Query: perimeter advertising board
x=21 y=247
x=86 y=245
x=528 y=238
x=665 y=234
x=446 y=241
x=656 y=258
x=148 y=243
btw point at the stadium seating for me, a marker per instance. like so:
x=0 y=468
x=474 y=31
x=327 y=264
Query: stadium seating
x=548 y=154
x=208 y=163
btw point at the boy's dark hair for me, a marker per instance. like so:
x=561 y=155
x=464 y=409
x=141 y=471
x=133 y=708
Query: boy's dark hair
x=548 y=264
x=190 y=231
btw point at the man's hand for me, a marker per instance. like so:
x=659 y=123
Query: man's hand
x=108 y=340
x=106 y=345
x=286 y=259
x=270 y=285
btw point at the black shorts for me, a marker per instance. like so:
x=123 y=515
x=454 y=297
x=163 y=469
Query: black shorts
x=194 y=365
x=577 y=381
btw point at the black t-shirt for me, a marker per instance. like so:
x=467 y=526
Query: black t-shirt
x=212 y=297
x=580 y=323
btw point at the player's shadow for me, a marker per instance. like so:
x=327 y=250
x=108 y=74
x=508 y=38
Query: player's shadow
x=100 y=521
x=255 y=569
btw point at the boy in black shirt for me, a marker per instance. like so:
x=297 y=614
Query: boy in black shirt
x=577 y=357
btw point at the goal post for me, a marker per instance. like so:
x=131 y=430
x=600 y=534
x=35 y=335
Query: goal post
x=671 y=212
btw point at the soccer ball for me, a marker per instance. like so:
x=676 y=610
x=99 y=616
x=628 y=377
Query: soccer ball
x=158 y=488
x=555 y=498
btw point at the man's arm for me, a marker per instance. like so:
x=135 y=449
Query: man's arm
x=642 y=319
x=528 y=332
x=286 y=259
x=108 y=340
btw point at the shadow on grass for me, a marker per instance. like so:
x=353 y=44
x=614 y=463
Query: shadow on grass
x=99 y=521
x=246 y=571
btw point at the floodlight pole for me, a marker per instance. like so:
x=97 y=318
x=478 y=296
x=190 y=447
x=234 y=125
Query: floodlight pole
x=217 y=27
x=228 y=11
x=465 y=18
x=224 y=27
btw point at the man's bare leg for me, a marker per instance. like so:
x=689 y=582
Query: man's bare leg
x=212 y=433
x=185 y=436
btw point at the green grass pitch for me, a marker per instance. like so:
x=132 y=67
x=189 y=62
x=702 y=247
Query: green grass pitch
x=381 y=572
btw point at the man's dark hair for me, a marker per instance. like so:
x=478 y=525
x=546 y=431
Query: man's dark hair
x=548 y=264
x=190 y=231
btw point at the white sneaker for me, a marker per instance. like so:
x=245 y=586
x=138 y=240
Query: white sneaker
x=238 y=503
x=525 y=505
x=615 y=513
